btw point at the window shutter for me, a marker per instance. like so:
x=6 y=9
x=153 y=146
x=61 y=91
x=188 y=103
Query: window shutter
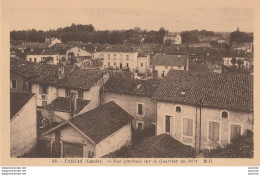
x=235 y=131
x=216 y=131
x=211 y=131
x=167 y=124
x=190 y=127
x=40 y=89
x=140 y=109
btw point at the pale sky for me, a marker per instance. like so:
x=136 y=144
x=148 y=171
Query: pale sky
x=108 y=18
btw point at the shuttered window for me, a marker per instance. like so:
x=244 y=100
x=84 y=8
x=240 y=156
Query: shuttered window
x=235 y=130
x=139 y=109
x=187 y=127
x=167 y=123
x=214 y=131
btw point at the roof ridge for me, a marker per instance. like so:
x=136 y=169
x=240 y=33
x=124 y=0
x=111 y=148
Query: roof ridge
x=155 y=145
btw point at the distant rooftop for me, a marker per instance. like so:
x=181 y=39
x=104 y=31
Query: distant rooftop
x=170 y=60
x=130 y=86
x=63 y=104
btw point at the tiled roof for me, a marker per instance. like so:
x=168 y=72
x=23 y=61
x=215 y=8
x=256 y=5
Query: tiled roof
x=102 y=121
x=228 y=91
x=170 y=60
x=117 y=48
x=40 y=72
x=48 y=51
x=17 y=101
x=142 y=54
x=161 y=146
x=124 y=85
x=80 y=79
x=198 y=67
x=63 y=104
x=176 y=49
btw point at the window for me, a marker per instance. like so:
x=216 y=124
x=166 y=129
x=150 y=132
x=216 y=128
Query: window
x=44 y=103
x=13 y=84
x=127 y=57
x=213 y=134
x=114 y=63
x=178 y=109
x=140 y=109
x=108 y=56
x=166 y=67
x=80 y=94
x=30 y=59
x=224 y=114
x=108 y=64
x=140 y=126
x=142 y=64
x=114 y=56
x=43 y=89
x=235 y=130
x=67 y=92
x=34 y=59
x=167 y=124
x=162 y=75
x=187 y=127
x=127 y=65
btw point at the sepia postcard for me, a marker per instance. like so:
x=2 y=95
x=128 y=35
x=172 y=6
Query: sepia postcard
x=130 y=83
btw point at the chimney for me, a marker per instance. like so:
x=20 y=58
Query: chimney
x=73 y=104
x=61 y=69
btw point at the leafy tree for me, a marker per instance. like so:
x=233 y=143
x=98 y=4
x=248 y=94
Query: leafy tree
x=240 y=147
x=240 y=37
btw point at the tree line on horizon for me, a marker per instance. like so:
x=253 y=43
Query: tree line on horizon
x=87 y=33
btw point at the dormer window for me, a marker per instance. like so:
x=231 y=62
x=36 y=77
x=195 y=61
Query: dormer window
x=224 y=114
x=178 y=109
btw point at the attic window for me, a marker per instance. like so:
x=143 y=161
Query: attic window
x=224 y=114
x=178 y=109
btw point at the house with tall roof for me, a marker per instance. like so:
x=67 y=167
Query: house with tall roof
x=77 y=54
x=143 y=63
x=51 y=81
x=119 y=57
x=23 y=123
x=135 y=97
x=95 y=133
x=122 y=57
x=163 y=63
x=46 y=55
x=204 y=110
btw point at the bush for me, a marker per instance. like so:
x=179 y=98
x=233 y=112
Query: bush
x=240 y=147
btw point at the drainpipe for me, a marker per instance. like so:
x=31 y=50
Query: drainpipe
x=200 y=126
x=196 y=129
